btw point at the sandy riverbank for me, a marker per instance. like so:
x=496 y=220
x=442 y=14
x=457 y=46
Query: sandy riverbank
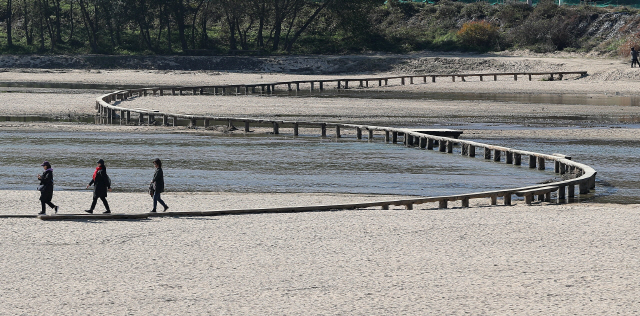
x=541 y=259
x=518 y=260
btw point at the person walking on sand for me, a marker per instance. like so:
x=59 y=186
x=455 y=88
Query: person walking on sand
x=46 y=188
x=634 y=57
x=157 y=186
x=101 y=183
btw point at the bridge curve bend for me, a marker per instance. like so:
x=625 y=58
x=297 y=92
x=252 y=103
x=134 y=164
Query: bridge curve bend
x=577 y=175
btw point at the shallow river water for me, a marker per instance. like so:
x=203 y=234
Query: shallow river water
x=285 y=164
x=251 y=164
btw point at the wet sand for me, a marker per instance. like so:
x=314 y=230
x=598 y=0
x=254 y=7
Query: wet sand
x=542 y=259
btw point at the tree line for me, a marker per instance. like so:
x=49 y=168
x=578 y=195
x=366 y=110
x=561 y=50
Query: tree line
x=196 y=27
x=169 y=26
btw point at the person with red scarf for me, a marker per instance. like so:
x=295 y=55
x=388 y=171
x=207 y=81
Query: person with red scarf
x=101 y=183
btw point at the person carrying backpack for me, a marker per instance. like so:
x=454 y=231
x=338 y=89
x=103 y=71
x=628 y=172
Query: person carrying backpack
x=101 y=183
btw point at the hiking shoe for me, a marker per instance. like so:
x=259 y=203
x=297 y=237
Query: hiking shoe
x=152 y=211
x=89 y=211
x=165 y=208
x=42 y=213
x=106 y=212
x=55 y=209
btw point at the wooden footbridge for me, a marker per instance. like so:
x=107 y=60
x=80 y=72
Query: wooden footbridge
x=576 y=178
x=341 y=83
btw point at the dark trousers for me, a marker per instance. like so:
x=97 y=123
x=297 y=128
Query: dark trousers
x=104 y=201
x=156 y=199
x=44 y=208
x=634 y=62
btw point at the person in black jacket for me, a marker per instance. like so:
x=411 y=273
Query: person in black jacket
x=634 y=57
x=46 y=188
x=157 y=184
x=101 y=183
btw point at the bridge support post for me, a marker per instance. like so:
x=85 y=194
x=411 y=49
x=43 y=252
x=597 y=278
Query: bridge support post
x=532 y=161
x=541 y=165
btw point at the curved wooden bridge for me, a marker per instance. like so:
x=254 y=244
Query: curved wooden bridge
x=575 y=175
x=578 y=175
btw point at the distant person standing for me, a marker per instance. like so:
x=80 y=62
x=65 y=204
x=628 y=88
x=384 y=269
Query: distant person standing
x=46 y=188
x=101 y=183
x=634 y=57
x=157 y=186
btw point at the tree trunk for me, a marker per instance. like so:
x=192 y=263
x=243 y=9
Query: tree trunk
x=9 y=23
x=193 y=24
x=204 y=37
x=261 y=16
x=41 y=25
x=58 y=20
x=179 y=15
x=71 y=24
x=168 y=30
x=27 y=33
x=289 y=44
x=88 y=24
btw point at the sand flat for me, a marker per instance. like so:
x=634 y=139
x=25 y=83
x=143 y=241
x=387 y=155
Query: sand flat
x=524 y=260
x=544 y=259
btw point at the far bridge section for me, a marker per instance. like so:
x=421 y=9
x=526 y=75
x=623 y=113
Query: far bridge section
x=341 y=83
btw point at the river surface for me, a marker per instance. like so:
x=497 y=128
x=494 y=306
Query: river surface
x=285 y=164
x=251 y=164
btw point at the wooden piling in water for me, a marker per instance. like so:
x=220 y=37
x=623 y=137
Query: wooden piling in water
x=532 y=161
x=541 y=165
